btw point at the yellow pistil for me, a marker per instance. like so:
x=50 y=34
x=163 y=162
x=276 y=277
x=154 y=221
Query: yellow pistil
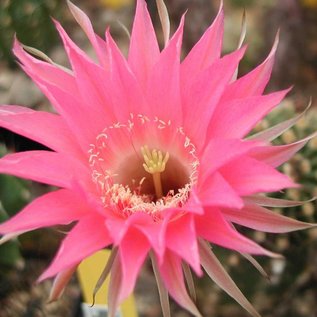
x=155 y=164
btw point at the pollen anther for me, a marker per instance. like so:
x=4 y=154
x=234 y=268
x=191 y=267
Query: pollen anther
x=155 y=164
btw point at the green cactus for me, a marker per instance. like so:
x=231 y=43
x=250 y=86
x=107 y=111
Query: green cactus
x=13 y=196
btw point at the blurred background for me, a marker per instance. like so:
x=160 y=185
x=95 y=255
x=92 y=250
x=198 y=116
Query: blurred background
x=292 y=289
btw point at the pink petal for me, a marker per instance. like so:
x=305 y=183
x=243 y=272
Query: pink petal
x=254 y=82
x=44 y=167
x=275 y=131
x=133 y=251
x=235 y=118
x=214 y=228
x=163 y=91
x=172 y=274
x=43 y=127
x=70 y=108
x=153 y=231
x=259 y=218
x=193 y=204
x=277 y=155
x=87 y=237
x=83 y=20
x=59 y=207
x=144 y=51
x=48 y=72
x=125 y=87
x=206 y=50
x=156 y=235
x=248 y=176
x=60 y=282
x=118 y=227
x=181 y=239
x=200 y=100
x=219 y=152
x=215 y=191
x=219 y=275
x=91 y=81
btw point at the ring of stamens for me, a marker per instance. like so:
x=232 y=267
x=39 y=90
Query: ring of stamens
x=125 y=196
x=155 y=164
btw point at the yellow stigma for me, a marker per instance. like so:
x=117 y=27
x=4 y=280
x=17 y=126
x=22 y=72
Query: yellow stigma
x=155 y=164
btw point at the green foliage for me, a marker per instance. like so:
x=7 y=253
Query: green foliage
x=30 y=21
x=13 y=193
x=13 y=196
x=9 y=252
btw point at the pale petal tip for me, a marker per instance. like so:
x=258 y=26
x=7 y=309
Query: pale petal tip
x=9 y=236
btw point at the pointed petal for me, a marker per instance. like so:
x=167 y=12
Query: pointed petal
x=114 y=287
x=181 y=238
x=277 y=155
x=70 y=108
x=10 y=236
x=275 y=131
x=214 y=228
x=274 y=202
x=172 y=275
x=59 y=207
x=219 y=275
x=237 y=117
x=254 y=82
x=43 y=127
x=88 y=236
x=83 y=20
x=256 y=264
x=91 y=80
x=248 y=176
x=163 y=91
x=48 y=72
x=241 y=40
x=243 y=31
x=125 y=87
x=206 y=50
x=34 y=165
x=189 y=281
x=165 y=20
x=133 y=249
x=216 y=191
x=163 y=293
x=144 y=51
x=60 y=282
x=200 y=100
x=105 y=272
x=262 y=219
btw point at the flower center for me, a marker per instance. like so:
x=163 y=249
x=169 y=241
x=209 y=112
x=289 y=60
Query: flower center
x=143 y=165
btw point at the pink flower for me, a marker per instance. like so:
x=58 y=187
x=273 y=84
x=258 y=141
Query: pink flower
x=151 y=156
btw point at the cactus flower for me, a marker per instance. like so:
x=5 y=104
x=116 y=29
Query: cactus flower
x=152 y=157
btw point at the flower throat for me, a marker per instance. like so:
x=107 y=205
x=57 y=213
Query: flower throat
x=143 y=166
